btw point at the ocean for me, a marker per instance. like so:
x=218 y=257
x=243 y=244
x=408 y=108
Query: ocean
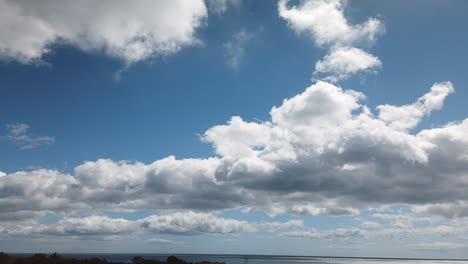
x=258 y=259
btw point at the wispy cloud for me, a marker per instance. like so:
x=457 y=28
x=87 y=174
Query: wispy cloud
x=221 y=6
x=235 y=48
x=163 y=241
x=18 y=133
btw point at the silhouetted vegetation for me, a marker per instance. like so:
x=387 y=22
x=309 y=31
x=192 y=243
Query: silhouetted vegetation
x=57 y=259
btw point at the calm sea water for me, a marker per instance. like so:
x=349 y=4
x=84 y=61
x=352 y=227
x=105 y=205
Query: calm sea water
x=259 y=259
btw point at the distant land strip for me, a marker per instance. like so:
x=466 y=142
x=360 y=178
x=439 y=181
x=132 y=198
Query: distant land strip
x=57 y=259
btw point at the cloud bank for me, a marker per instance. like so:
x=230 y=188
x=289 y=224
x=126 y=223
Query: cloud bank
x=182 y=223
x=322 y=153
x=395 y=225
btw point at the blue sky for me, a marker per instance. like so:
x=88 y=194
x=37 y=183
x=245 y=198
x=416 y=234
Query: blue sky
x=190 y=127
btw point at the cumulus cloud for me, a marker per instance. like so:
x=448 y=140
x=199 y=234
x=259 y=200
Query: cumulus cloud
x=103 y=173
x=235 y=48
x=128 y=31
x=89 y=226
x=194 y=223
x=325 y=23
x=23 y=193
x=408 y=116
x=179 y=223
x=343 y=62
x=324 y=144
x=322 y=153
x=18 y=133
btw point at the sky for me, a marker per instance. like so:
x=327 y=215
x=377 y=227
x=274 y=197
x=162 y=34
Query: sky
x=310 y=127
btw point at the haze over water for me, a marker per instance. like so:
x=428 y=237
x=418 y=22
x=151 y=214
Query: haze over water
x=260 y=259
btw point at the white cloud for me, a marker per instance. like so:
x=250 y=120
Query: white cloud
x=106 y=173
x=191 y=223
x=408 y=116
x=131 y=32
x=337 y=150
x=179 y=223
x=322 y=105
x=18 y=133
x=235 y=48
x=343 y=62
x=241 y=138
x=324 y=21
x=322 y=153
x=89 y=226
x=39 y=190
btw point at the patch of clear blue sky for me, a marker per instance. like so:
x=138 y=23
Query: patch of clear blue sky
x=159 y=106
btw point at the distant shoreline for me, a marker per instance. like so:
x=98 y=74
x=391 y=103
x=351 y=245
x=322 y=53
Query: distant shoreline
x=54 y=258
x=236 y=256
